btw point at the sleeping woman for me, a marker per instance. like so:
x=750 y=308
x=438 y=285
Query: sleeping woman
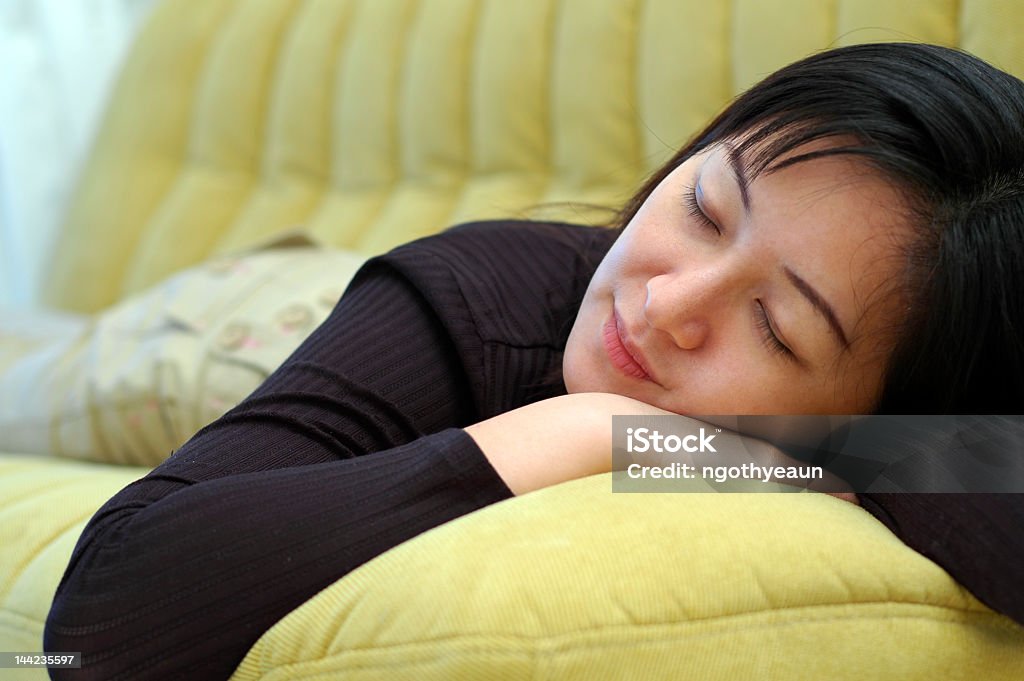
x=845 y=238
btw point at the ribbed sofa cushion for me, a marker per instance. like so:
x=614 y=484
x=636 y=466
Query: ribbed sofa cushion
x=375 y=121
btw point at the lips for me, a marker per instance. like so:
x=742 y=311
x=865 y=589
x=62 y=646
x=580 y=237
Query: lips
x=623 y=355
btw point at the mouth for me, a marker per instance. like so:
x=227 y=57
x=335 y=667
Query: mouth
x=623 y=355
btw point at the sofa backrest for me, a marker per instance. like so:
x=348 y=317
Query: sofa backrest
x=371 y=122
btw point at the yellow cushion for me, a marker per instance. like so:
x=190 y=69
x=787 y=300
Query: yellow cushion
x=132 y=384
x=577 y=583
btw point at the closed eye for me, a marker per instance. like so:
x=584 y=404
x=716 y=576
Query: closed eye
x=693 y=208
x=768 y=335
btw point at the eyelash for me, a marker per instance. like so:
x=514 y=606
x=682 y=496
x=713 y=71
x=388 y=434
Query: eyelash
x=694 y=210
x=771 y=341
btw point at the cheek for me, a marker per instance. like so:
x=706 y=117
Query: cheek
x=731 y=385
x=738 y=379
x=573 y=366
x=579 y=361
x=615 y=263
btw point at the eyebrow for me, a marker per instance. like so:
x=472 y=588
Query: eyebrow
x=821 y=305
x=740 y=172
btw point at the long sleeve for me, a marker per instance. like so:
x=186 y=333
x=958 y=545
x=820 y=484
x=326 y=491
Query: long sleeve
x=977 y=538
x=349 y=448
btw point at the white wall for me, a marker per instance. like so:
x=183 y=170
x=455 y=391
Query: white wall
x=58 y=59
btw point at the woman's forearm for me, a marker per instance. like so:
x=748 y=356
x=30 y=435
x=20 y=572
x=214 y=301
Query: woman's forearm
x=548 y=442
x=183 y=586
x=555 y=440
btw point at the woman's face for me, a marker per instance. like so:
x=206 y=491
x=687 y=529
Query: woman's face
x=724 y=296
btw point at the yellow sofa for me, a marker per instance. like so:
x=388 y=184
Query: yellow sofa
x=255 y=151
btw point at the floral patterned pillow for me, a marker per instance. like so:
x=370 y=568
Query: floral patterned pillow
x=133 y=383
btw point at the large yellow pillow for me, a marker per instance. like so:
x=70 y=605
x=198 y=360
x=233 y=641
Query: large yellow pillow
x=133 y=383
x=577 y=583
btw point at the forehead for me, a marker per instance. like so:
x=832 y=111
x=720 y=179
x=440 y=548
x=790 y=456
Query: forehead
x=839 y=190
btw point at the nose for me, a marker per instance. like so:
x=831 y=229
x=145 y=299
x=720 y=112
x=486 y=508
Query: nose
x=688 y=306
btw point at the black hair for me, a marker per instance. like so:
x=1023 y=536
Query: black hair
x=947 y=129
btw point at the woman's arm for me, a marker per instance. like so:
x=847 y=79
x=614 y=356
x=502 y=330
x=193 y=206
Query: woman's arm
x=553 y=441
x=184 y=585
x=347 y=449
x=976 y=538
